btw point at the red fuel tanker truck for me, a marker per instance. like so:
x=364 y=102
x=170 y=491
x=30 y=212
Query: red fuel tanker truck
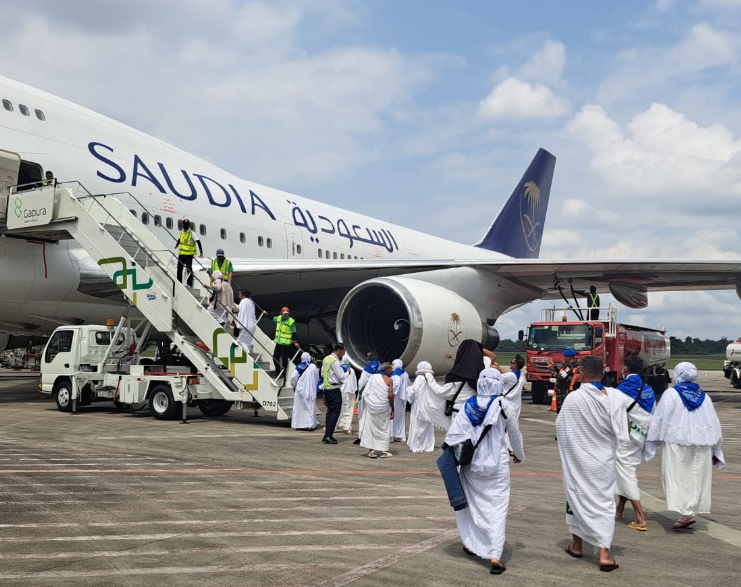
x=612 y=342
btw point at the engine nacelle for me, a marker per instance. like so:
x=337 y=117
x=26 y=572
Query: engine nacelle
x=4 y=338
x=399 y=317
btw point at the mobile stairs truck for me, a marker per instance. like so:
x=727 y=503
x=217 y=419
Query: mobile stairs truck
x=82 y=364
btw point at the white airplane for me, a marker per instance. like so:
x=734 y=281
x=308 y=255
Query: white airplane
x=372 y=285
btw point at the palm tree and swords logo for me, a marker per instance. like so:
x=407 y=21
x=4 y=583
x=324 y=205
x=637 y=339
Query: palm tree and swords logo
x=454 y=330
x=530 y=228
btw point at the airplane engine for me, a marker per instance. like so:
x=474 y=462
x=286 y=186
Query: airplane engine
x=399 y=317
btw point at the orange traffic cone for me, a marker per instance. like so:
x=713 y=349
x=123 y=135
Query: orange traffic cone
x=553 y=402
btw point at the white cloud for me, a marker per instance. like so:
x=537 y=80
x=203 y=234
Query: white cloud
x=515 y=99
x=546 y=65
x=664 y=5
x=723 y=4
x=662 y=153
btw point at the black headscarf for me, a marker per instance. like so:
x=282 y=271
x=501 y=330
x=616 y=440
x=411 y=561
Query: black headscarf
x=469 y=362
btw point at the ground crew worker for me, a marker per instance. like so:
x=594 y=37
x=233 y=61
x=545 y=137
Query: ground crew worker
x=221 y=263
x=285 y=341
x=592 y=302
x=49 y=179
x=186 y=246
x=567 y=377
x=332 y=377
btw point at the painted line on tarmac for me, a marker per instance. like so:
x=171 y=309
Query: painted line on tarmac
x=537 y=420
x=222 y=522
x=391 y=559
x=713 y=529
x=189 y=535
x=260 y=568
x=191 y=551
x=364 y=472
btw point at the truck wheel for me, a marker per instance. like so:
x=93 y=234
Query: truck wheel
x=63 y=394
x=539 y=393
x=735 y=381
x=161 y=403
x=214 y=407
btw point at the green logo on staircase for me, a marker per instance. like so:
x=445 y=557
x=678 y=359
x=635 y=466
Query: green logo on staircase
x=18 y=207
x=233 y=360
x=124 y=273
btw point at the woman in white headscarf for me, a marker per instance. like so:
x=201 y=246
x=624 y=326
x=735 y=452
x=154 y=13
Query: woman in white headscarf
x=422 y=397
x=348 y=388
x=304 y=381
x=686 y=425
x=401 y=382
x=486 y=481
x=378 y=412
x=223 y=297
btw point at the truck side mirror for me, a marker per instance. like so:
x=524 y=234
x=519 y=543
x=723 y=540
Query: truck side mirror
x=520 y=335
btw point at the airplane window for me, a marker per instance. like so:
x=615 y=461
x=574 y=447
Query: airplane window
x=157 y=220
x=242 y=238
x=298 y=249
x=326 y=254
x=180 y=225
x=334 y=255
x=168 y=222
x=342 y=255
x=320 y=253
x=133 y=212
x=24 y=109
x=202 y=229
x=40 y=114
x=145 y=218
x=7 y=104
x=269 y=243
x=259 y=241
x=223 y=234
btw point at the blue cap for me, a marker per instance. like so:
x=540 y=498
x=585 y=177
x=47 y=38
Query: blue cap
x=569 y=353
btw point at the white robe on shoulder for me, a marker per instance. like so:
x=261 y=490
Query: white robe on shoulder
x=589 y=427
x=421 y=436
x=375 y=424
x=629 y=453
x=349 y=388
x=690 y=441
x=446 y=392
x=486 y=481
x=304 y=398
x=398 y=424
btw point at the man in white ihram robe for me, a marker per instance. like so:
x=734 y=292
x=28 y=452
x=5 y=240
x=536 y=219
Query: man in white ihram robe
x=686 y=425
x=304 y=381
x=420 y=394
x=401 y=383
x=348 y=388
x=378 y=400
x=486 y=481
x=591 y=423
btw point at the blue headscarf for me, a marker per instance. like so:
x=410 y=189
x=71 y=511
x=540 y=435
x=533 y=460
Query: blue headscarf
x=517 y=373
x=632 y=387
x=690 y=392
x=475 y=413
x=304 y=364
x=373 y=367
x=398 y=368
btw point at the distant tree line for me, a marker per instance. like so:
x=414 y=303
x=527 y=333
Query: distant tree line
x=688 y=346
x=695 y=346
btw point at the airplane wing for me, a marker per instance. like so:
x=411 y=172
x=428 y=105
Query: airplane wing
x=627 y=279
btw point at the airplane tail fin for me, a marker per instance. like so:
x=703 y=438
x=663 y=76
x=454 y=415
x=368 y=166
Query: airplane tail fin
x=518 y=228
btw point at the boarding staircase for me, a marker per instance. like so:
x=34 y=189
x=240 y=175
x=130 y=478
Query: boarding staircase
x=144 y=269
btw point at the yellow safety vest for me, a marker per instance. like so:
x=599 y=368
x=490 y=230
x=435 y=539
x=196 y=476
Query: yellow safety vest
x=284 y=331
x=593 y=303
x=187 y=243
x=223 y=268
x=326 y=366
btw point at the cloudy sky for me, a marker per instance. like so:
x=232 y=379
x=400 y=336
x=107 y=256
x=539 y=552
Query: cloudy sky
x=426 y=112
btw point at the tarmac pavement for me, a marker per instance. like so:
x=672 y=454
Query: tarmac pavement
x=112 y=498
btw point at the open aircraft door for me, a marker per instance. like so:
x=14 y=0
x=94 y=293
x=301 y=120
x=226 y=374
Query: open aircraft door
x=10 y=164
x=294 y=242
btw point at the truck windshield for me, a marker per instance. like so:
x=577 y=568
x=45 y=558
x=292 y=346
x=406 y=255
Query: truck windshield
x=561 y=336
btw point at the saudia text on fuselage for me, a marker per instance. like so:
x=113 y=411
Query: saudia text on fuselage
x=222 y=196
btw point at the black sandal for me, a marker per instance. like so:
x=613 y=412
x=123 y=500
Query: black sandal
x=497 y=569
x=469 y=552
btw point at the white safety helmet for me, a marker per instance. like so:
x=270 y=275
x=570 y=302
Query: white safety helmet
x=217 y=275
